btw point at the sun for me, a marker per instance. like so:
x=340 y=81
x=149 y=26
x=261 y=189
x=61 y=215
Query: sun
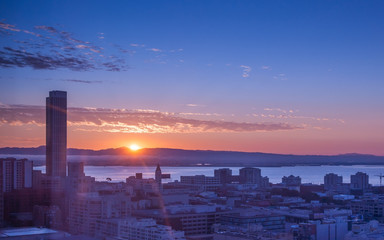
x=134 y=147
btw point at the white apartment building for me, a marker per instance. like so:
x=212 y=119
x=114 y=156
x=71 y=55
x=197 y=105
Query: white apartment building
x=136 y=229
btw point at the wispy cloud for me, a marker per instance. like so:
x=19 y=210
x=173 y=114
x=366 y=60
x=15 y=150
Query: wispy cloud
x=100 y=36
x=154 y=49
x=47 y=28
x=10 y=27
x=132 y=121
x=279 y=110
x=266 y=67
x=194 y=105
x=280 y=76
x=176 y=50
x=246 y=71
x=200 y=114
x=282 y=114
x=52 y=49
x=136 y=45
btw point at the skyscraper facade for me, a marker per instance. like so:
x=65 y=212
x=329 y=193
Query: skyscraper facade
x=56 y=133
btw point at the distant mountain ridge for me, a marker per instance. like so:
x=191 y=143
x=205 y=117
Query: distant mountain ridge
x=180 y=157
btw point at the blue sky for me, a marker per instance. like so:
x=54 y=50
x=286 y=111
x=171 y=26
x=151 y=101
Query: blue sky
x=232 y=61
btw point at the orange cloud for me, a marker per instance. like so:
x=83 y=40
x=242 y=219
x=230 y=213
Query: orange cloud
x=133 y=121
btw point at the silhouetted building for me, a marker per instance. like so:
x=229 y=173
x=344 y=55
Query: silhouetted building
x=250 y=175
x=224 y=175
x=16 y=174
x=76 y=180
x=56 y=134
x=359 y=181
x=139 y=175
x=76 y=169
x=331 y=181
x=158 y=176
x=291 y=180
x=264 y=182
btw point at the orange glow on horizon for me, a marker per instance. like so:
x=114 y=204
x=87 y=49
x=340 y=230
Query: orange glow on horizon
x=134 y=147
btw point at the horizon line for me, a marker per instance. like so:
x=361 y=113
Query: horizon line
x=207 y=150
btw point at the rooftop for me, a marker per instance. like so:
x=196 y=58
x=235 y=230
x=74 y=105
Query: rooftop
x=13 y=232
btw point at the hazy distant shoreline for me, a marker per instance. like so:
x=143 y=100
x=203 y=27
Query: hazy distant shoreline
x=193 y=158
x=113 y=160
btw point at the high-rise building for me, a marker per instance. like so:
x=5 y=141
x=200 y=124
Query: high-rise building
x=331 y=181
x=56 y=133
x=224 y=175
x=249 y=175
x=359 y=181
x=16 y=174
x=291 y=180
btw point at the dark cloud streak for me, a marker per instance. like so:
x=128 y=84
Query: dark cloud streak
x=80 y=81
x=54 y=49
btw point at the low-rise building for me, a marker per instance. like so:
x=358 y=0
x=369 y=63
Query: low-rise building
x=330 y=229
x=244 y=218
x=135 y=229
x=192 y=219
x=372 y=208
x=201 y=182
x=369 y=231
x=291 y=180
x=86 y=208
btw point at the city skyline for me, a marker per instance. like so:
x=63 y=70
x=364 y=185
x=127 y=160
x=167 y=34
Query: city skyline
x=300 y=78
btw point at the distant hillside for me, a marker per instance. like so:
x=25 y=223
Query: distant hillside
x=179 y=157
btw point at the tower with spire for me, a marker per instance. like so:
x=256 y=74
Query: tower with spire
x=158 y=176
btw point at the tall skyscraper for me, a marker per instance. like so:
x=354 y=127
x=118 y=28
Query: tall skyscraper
x=56 y=133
